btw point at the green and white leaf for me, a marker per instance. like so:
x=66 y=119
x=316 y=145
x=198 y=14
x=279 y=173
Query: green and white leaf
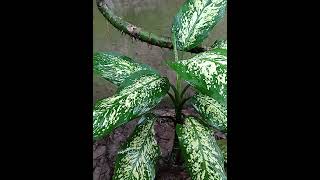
x=201 y=153
x=211 y=111
x=222 y=143
x=194 y=21
x=144 y=91
x=137 y=158
x=115 y=67
x=207 y=72
x=222 y=44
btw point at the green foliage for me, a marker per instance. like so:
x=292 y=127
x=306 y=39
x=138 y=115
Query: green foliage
x=115 y=67
x=141 y=92
x=141 y=88
x=212 y=112
x=137 y=158
x=195 y=20
x=222 y=143
x=207 y=72
x=201 y=153
x=222 y=44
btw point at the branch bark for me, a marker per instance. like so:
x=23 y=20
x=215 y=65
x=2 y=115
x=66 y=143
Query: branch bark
x=137 y=32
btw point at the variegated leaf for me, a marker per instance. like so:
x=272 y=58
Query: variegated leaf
x=143 y=93
x=195 y=20
x=115 y=67
x=222 y=44
x=212 y=112
x=201 y=153
x=137 y=158
x=222 y=143
x=207 y=72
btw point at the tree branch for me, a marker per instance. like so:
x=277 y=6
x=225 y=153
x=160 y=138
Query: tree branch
x=137 y=32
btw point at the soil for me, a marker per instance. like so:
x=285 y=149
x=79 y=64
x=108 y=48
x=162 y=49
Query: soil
x=105 y=150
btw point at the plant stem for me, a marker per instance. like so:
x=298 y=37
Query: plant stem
x=172 y=98
x=176 y=150
x=184 y=90
x=174 y=89
x=178 y=84
x=184 y=101
x=176 y=58
x=175 y=155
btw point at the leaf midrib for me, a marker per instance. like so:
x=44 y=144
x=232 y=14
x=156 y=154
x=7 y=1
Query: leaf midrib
x=200 y=145
x=142 y=147
x=138 y=88
x=125 y=96
x=192 y=29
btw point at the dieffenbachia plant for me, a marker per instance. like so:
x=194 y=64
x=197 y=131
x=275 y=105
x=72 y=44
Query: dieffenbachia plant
x=141 y=88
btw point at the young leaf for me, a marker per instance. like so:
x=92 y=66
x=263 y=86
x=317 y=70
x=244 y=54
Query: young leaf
x=207 y=72
x=115 y=67
x=131 y=101
x=195 y=20
x=200 y=151
x=138 y=156
x=212 y=112
x=222 y=143
x=222 y=44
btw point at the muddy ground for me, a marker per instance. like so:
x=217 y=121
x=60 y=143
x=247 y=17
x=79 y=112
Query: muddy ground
x=104 y=151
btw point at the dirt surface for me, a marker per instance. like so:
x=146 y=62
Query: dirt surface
x=105 y=150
